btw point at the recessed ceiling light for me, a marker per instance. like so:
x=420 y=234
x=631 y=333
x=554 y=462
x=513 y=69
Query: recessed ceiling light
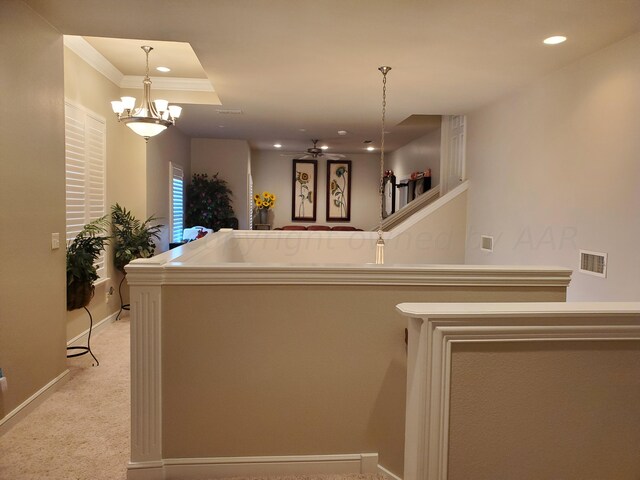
x=324 y=147
x=342 y=133
x=555 y=40
x=220 y=126
x=303 y=129
x=163 y=69
x=277 y=145
x=371 y=149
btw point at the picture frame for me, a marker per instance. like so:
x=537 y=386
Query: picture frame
x=339 y=174
x=304 y=188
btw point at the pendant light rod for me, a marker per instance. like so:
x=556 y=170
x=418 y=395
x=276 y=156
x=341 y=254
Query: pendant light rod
x=380 y=243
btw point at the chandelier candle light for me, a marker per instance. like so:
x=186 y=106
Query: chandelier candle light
x=150 y=118
x=380 y=242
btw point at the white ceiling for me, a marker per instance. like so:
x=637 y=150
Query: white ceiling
x=313 y=65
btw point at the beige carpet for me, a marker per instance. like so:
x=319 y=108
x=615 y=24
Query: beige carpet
x=82 y=431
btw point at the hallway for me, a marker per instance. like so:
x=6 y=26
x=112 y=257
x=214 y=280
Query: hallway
x=81 y=432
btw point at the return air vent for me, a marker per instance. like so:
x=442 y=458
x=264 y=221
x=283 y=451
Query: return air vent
x=229 y=111
x=593 y=263
x=487 y=243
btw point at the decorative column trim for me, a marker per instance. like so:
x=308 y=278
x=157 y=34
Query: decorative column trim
x=146 y=374
x=435 y=328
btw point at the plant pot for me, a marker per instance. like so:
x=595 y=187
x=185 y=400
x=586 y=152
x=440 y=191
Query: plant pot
x=79 y=294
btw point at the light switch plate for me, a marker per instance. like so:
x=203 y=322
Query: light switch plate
x=55 y=241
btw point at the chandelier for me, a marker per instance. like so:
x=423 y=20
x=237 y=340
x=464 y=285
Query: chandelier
x=150 y=118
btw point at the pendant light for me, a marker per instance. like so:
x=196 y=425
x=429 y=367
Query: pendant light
x=150 y=118
x=380 y=242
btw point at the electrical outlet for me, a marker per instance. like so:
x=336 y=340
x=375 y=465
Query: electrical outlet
x=108 y=294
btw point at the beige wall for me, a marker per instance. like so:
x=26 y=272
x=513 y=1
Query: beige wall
x=171 y=146
x=545 y=410
x=229 y=158
x=554 y=168
x=438 y=238
x=32 y=276
x=273 y=172
x=126 y=171
x=293 y=370
x=417 y=156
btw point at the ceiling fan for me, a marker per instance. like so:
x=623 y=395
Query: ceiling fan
x=317 y=152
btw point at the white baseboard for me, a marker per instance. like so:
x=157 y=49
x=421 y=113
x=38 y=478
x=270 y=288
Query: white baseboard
x=207 y=468
x=82 y=338
x=387 y=473
x=22 y=410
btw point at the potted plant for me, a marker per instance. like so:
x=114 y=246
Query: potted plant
x=263 y=204
x=82 y=254
x=209 y=203
x=132 y=238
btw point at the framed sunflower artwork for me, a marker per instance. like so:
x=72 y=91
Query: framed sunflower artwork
x=338 y=190
x=304 y=190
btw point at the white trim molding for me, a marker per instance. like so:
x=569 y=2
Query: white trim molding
x=434 y=329
x=169 y=83
x=97 y=328
x=219 y=467
x=95 y=59
x=188 y=265
x=387 y=473
x=22 y=410
x=146 y=375
x=92 y=57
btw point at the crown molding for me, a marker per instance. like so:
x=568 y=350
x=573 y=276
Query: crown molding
x=169 y=83
x=90 y=55
x=94 y=58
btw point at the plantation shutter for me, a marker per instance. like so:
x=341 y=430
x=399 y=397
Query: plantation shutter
x=177 y=203
x=85 y=153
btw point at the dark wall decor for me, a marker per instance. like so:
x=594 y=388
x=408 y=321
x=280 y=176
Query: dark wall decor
x=304 y=190
x=339 y=190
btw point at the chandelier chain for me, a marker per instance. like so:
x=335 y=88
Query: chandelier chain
x=384 y=71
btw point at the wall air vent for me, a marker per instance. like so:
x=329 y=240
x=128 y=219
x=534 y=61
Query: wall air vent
x=593 y=263
x=487 y=243
x=229 y=111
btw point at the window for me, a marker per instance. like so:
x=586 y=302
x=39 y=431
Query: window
x=177 y=202
x=85 y=153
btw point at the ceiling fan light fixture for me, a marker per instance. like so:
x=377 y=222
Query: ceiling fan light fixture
x=324 y=147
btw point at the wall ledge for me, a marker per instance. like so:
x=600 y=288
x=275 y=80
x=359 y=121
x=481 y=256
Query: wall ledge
x=434 y=329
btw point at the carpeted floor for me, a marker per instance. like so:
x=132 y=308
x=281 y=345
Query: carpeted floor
x=82 y=431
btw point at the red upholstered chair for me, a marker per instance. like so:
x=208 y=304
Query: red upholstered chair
x=294 y=227
x=318 y=227
x=344 y=228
